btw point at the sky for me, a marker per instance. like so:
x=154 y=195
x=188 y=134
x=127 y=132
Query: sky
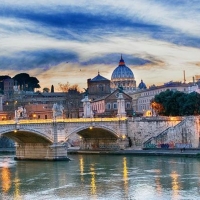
x=70 y=41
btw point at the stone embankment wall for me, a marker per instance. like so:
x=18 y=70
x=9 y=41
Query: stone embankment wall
x=184 y=134
x=164 y=130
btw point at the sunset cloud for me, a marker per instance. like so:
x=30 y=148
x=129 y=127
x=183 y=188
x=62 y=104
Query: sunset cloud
x=70 y=41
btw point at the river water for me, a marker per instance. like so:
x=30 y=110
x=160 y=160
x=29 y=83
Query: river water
x=101 y=177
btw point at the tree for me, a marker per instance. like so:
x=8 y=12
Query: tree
x=175 y=103
x=192 y=104
x=66 y=87
x=52 y=89
x=46 y=90
x=157 y=107
x=33 y=83
x=26 y=82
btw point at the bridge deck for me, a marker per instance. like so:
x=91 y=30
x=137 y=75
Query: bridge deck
x=33 y=121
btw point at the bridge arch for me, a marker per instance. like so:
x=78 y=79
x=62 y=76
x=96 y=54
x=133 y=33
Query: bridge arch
x=94 y=131
x=94 y=137
x=26 y=136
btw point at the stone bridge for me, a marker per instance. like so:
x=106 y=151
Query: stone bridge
x=47 y=139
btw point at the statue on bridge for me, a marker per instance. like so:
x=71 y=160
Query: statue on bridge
x=57 y=110
x=20 y=113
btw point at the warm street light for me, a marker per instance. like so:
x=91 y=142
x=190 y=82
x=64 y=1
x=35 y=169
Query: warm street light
x=34 y=116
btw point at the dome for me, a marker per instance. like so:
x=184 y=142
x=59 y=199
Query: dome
x=99 y=78
x=142 y=85
x=124 y=77
x=122 y=71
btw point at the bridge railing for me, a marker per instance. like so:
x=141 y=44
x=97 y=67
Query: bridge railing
x=33 y=121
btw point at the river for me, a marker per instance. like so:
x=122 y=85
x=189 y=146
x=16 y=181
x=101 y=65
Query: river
x=101 y=177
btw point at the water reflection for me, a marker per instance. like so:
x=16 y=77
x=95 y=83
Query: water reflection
x=125 y=176
x=158 y=182
x=17 y=194
x=93 y=180
x=101 y=177
x=6 y=179
x=81 y=164
x=175 y=184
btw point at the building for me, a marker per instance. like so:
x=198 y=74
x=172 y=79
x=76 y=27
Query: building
x=98 y=86
x=8 y=88
x=107 y=106
x=141 y=99
x=39 y=111
x=39 y=105
x=123 y=76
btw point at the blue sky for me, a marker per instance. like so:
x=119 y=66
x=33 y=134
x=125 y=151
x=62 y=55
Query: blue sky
x=70 y=41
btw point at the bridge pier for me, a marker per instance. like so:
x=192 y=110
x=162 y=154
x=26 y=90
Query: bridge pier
x=40 y=151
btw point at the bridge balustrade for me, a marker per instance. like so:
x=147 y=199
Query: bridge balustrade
x=32 y=121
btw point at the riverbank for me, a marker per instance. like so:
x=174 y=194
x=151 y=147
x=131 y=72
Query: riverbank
x=147 y=152
x=7 y=150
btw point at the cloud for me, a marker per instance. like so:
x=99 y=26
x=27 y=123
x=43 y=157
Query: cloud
x=113 y=58
x=156 y=38
x=41 y=58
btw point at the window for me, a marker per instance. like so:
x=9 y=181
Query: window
x=108 y=106
x=114 y=105
x=128 y=105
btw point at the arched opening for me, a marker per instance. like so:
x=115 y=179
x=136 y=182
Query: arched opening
x=95 y=138
x=26 y=137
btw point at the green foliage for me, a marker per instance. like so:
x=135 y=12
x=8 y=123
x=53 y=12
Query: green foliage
x=46 y=90
x=175 y=103
x=26 y=82
x=52 y=89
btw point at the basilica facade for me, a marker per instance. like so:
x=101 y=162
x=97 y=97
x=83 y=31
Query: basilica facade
x=103 y=92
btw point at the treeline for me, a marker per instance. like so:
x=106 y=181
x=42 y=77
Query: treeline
x=23 y=80
x=176 y=103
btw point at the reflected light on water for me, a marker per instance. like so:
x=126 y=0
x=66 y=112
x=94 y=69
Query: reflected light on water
x=93 y=181
x=6 y=179
x=125 y=175
x=81 y=168
x=175 y=184
x=17 y=194
x=158 y=183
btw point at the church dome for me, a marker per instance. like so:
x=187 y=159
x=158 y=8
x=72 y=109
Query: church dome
x=123 y=76
x=142 y=85
x=122 y=71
